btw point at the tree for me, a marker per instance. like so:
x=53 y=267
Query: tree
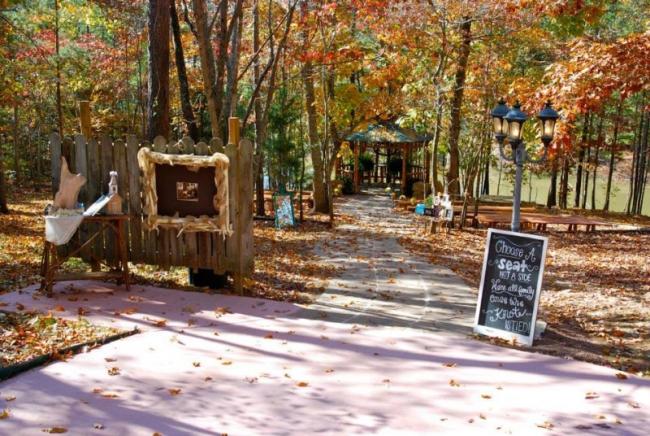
x=158 y=88
x=184 y=87
x=612 y=155
x=321 y=201
x=456 y=105
x=3 y=193
x=203 y=32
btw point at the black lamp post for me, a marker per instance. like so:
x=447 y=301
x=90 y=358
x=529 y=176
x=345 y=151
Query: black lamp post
x=509 y=124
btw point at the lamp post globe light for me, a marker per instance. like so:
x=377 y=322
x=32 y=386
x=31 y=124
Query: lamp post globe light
x=509 y=125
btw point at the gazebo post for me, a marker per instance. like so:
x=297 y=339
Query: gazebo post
x=386 y=173
x=404 y=157
x=427 y=165
x=376 y=169
x=356 y=168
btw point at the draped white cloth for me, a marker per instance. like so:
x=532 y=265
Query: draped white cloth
x=60 y=228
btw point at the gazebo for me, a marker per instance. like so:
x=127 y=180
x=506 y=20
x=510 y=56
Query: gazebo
x=386 y=140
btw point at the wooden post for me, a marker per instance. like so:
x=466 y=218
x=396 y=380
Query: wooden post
x=84 y=119
x=233 y=139
x=404 y=157
x=376 y=168
x=356 y=167
x=234 y=133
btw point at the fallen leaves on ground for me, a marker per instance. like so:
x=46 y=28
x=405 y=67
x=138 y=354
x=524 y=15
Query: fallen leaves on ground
x=26 y=335
x=55 y=430
x=595 y=294
x=286 y=267
x=174 y=391
x=546 y=425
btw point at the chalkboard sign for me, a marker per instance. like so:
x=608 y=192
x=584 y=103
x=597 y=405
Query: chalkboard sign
x=283 y=207
x=511 y=281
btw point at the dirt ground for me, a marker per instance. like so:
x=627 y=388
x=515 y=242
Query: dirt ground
x=595 y=295
x=285 y=267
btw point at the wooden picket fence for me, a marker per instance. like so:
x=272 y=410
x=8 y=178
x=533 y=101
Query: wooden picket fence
x=95 y=158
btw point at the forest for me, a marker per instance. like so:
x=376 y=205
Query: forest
x=302 y=75
x=324 y=217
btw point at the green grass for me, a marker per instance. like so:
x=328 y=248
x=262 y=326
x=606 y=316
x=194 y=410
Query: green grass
x=537 y=191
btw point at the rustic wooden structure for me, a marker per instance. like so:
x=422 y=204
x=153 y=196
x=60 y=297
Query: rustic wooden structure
x=54 y=258
x=95 y=158
x=386 y=139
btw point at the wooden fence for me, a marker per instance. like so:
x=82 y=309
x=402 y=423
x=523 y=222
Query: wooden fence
x=96 y=158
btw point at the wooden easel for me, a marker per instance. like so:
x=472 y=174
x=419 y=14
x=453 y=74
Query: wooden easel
x=52 y=262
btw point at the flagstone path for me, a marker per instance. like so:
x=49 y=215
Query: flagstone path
x=381 y=283
x=359 y=363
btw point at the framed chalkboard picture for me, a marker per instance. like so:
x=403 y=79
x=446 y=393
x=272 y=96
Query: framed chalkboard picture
x=283 y=208
x=511 y=281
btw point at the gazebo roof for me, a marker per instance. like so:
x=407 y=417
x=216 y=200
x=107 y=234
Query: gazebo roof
x=385 y=132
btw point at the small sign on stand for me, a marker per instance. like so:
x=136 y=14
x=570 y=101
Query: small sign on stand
x=283 y=207
x=510 y=287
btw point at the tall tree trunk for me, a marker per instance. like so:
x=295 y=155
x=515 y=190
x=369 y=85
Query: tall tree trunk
x=564 y=182
x=581 y=159
x=642 y=170
x=223 y=38
x=486 y=177
x=232 y=66
x=321 y=200
x=16 y=143
x=260 y=125
x=612 y=155
x=457 y=104
x=141 y=101
x=436 y=186
x=599 y=141
x=158 y=89
x=186 y=104
x=262 y=110
x=635 y=161
x=57 y=45
x=208 y=70
x=551 y=199
x=3 y=193
x=499 y=177
x=330 y=155
x=586 y=182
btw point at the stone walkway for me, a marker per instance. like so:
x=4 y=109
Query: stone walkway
x=381 y=283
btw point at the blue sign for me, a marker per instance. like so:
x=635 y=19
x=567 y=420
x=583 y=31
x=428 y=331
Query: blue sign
x=283 y=207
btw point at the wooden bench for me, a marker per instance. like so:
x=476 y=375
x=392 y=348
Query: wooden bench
x=539 y=221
